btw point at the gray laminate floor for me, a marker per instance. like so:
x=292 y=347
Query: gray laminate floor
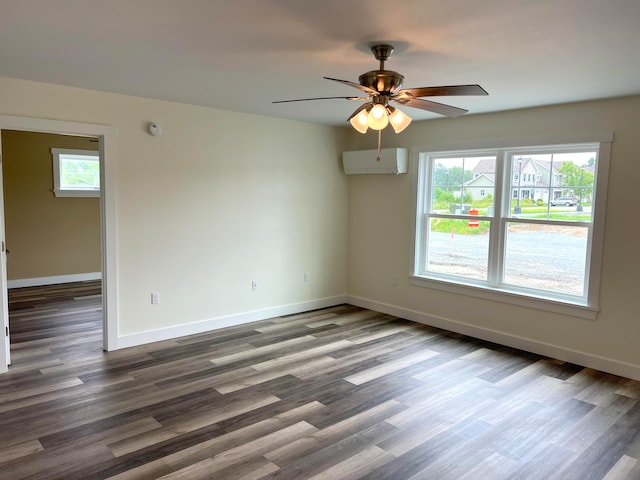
x=339 y=393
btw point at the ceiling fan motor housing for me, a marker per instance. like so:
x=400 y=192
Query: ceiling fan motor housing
x=381 y=80
x=384 y=81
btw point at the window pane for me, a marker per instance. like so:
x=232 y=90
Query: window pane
x=77 y=172
x=463 y=183
x=554 y=186
x=458 y=247
x=546 y=257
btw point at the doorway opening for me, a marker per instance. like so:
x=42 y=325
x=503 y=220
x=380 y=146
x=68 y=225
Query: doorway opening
x=104 y=137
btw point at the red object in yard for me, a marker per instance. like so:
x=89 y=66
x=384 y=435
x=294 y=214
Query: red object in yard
x=472 y=222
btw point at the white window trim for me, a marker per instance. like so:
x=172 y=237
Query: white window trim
x=60 y=192
x=513 y=295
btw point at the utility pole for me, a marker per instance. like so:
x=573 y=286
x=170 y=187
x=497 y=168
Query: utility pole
x=518 y=210
x=579 y=207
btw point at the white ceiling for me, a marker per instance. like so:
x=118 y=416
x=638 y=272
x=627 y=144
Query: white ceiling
x=243 y=54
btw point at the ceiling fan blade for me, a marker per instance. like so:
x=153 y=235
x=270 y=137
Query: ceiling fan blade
x=435 y=107
x=368 y=90
x=358 y=110
x=318 y=98
x=444 y=91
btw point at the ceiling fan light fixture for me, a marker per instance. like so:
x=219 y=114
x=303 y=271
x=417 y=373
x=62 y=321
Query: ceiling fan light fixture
x=378 y=117
x=382 y=86
x=398 y=119
x=360 y=121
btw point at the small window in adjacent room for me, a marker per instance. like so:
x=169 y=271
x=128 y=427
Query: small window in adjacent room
x=528 y=230
x=76 y=173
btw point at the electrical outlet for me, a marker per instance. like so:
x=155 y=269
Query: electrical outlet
x=306 y=276
x=155 y=298
x=394 y=280
x=254 y=285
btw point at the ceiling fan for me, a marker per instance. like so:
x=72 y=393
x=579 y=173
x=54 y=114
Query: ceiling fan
x=383 y=86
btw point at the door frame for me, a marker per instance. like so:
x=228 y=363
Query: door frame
x=107 y=147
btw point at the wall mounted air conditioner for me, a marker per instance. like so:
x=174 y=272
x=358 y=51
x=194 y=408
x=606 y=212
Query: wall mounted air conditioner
x=392 y=161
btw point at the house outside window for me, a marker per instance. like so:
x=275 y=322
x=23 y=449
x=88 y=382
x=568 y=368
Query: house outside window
x=522 y=252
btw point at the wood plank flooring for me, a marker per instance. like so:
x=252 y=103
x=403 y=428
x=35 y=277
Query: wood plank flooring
x=339 y=393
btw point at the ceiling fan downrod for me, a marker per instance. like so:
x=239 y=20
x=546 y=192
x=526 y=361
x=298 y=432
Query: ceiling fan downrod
x=383 y=81
x=382 y=53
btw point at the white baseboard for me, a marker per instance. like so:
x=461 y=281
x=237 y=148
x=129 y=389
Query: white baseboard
x=135 y=339
x=36 y=282
x=541 y=348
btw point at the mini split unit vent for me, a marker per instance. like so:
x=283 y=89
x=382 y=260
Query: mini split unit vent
x=392 y=161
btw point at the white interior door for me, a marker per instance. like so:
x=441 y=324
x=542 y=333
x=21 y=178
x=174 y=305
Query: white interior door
x=5 y=350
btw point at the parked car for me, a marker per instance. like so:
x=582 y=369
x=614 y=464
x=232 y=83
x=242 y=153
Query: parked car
x=567 y=201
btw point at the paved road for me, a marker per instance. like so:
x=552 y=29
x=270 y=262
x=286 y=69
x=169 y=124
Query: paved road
x=543 y=259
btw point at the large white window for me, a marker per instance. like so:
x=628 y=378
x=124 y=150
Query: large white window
x=76 y=173
x=515 y=224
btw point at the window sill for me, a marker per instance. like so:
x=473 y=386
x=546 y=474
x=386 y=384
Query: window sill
x=513 y=297
x=76 y=193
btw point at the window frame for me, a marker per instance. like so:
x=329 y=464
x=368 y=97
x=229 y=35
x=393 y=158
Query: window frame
x=586 y=306
x=56 y=153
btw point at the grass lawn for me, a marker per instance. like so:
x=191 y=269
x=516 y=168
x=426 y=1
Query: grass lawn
x=461 y=226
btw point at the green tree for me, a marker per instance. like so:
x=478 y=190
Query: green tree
x=76 y=173
x=450 y=178
x=577 y=179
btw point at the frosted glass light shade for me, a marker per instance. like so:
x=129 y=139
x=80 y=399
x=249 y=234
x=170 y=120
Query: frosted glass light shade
x=360 y=122
x=378 y=118
x=399 y=120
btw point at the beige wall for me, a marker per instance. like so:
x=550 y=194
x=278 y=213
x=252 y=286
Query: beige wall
x=380 y=230
x=218 y=200
x=46 y=236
